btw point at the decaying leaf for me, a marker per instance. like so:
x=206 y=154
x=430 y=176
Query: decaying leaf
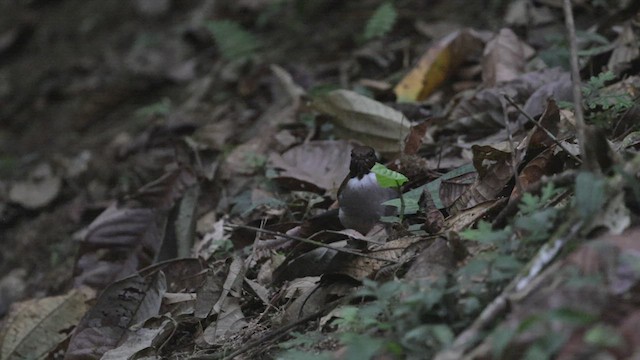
x=122 y=305
x=165 y=191
x=503 y=59
x=150 y=336
x=494 y=172
x=358 y=267
x=35 y=327
x=480 y=113
x=316 y=165
x=119 y=242
x=230 y=320
x=126 y=238
x=358 y=117
x=438 y=63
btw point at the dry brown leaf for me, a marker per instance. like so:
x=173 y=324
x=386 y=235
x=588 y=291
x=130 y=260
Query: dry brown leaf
x=359 y=268
x=230 y=320
x=313 y=166
x=164 y=192
x=627 y=49
x=118 y=242
x=494 y=172
x=480 y=113
x=503 y=59
x=120 y=306
x=35 y=327
x=433 y=263
x=466 y=218
x=143 y=341
x=358 y=117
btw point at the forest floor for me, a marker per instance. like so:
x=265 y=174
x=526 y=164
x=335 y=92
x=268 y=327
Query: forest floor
x=168 y=171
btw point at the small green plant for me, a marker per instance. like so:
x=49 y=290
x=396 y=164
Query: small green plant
x=602 y=104
x=234 y=42
x=381 y=22
x=388 y=178
x=160 y=108
x=595 y=98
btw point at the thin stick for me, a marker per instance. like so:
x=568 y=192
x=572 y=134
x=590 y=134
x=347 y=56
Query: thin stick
x=514 y=155
x=312 y=242
x=274 y=335
x=575 y=78
x=536 y=123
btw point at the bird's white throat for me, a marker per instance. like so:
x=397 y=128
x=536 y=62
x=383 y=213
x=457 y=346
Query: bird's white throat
x=367 y=183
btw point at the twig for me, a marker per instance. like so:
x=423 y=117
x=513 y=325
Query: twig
x=274 y=335
x=514 y=155
x=308 y=241
x=546 y=131
x=575 y=78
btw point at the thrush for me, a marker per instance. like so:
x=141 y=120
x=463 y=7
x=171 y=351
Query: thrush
x=360 y=196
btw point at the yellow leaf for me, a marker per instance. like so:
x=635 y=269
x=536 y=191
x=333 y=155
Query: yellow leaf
x=438 y=63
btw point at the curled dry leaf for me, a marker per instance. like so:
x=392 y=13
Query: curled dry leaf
x=35 y=327
x=358 y=117
x=143 y=341
x=164 y=192
x=494 y=172
x=480 y=113
x=120 y=306
x=230 y=320
x=316 y=165
x=438 y=64
x=503 y=58
x=432 y=263
x=359 y=268
x=118 y=242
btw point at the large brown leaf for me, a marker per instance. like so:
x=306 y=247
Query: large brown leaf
x=316 y=165
x=34 y=327
x=119 y=242
x=108 y=324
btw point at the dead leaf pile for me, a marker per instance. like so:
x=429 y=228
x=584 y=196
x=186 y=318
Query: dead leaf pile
x=212 y=231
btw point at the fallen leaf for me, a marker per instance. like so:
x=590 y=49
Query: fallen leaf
x=358 y=117
x=316 y=165
x=503 y=58
x=120 y=306
x=438 y=64
x=150 y=336
x=35 y=327
x=118 y=242
x=230 y=320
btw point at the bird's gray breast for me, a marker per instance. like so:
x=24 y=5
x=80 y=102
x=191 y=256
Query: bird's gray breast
x=361 y=203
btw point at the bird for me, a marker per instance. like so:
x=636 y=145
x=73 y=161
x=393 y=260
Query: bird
x=360 y=197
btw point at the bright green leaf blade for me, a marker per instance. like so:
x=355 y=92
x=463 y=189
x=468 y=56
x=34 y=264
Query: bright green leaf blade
x=388 y=178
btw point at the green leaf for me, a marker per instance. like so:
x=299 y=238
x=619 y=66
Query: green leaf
x=381 y=22
x=604 y=336
x=233 y=41
x=485 y=234
x=361 y=346
x=388 y=178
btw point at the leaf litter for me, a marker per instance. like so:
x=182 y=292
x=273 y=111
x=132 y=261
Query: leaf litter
x=210 y=230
